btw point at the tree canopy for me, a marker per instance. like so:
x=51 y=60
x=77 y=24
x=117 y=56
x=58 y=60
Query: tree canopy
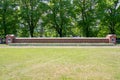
x=59 y=18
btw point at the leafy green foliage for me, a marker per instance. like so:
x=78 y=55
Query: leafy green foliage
x=8 y=17
x=111 y=15
x=59 y=18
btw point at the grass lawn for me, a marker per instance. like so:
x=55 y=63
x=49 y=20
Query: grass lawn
x=59 y=64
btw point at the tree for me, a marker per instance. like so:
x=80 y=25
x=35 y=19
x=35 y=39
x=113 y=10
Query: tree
x=30 y=14
x=86 y=15
x=59 y=16
x=8 y=17
x=111 y=15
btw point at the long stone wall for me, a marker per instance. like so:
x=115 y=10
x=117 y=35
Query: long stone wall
x=61 y=40
x=108 y=39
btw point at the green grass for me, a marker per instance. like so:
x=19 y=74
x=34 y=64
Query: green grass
x=59 y=64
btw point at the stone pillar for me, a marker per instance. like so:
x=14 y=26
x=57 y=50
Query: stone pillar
x=112 y=38
x=10 y=38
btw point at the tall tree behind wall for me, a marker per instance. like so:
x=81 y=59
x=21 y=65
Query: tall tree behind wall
x=30 y=14
x=110 y=16
x=59 y=16
x=8 y=17
x=86 y=15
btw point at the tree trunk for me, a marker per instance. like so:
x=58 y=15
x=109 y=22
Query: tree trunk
x=41 y=31
x=31 y=31
x=4 y=22
x=60 y=32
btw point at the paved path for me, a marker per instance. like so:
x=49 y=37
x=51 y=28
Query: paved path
x=4 y=46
